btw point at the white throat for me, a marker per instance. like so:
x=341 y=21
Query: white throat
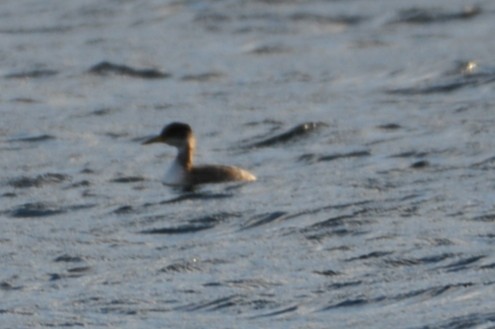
x=175 y=175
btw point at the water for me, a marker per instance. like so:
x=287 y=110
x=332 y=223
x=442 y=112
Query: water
x=368 y=124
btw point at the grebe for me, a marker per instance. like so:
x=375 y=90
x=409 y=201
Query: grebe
x=182 y=172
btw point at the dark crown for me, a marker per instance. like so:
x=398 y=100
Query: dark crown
x=177 y=130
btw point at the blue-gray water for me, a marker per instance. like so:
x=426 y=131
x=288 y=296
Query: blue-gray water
x=370 y=126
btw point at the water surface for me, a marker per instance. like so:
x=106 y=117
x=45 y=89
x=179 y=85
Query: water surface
x=368 y=124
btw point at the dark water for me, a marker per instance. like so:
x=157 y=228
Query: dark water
x=368 y=123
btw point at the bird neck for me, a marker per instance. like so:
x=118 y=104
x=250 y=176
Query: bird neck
x=186 y=153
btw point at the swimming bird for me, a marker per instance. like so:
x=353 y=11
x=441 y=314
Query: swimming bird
x=182 y=172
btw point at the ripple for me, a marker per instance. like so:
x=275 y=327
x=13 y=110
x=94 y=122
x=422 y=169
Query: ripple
x=343 y=285
x=312 y=158
x=353 y=303
x=470 y=76
x=214 y=305
x=128 y=179
x=419 y=261
x=7 y=286
x=240 y=303
x=34 y=139
x=435 y=15
x=371 y=255
x=474 y=320
x=37 y=209
x=390 y=126
x=203 y=77
x=38 y=181
x=300 y=131
x=263 y=219
x=327 y=19
x=270 y=49
x=197 y=196
x=41 y=209
x=327 y=273
x=289 y=309
x=463 y=264
x=193 y=226
x=183 y=267
x=68 y=259
x=107 y=68
x=244 y=283
x=485 y=218
x=31 y=74
x=487 y=164
x=180 y=229
x=75 y=272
